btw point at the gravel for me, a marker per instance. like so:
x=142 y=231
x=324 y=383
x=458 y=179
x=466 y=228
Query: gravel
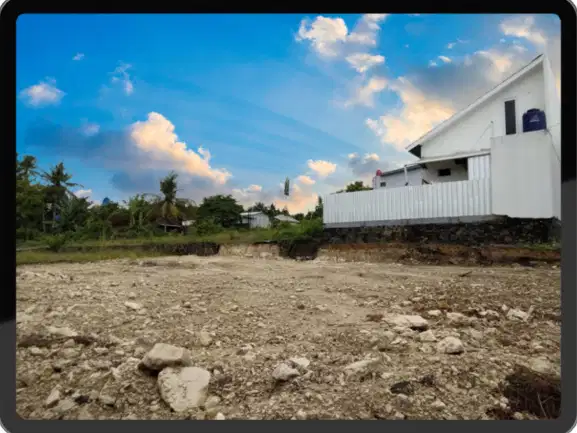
x=237 y=320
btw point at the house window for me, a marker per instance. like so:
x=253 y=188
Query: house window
x=383 y=184
x=444 y=172
x=510 y=118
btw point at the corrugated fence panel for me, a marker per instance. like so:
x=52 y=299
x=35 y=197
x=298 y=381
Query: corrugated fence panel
x=442 y=200
x=479 y=167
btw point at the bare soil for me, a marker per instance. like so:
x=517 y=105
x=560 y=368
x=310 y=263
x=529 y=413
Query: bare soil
x=327 y=312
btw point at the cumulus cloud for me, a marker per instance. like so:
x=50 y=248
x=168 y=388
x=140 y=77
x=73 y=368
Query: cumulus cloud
x=524 y=27
x=419 y=114
x=301 y=199
x=330 y=37
x=83 y=193
x=322 y=168
x=42 y=94
x=78 y=56
x=306 y=180
x=324 y=34
x=364 y=95
x=363 y=166
x=445 y=59
x=157 y=139
x=122 y=76
x=362 y=62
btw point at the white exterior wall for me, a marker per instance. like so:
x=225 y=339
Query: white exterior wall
x=256 y=221
x=552 y=105
x=443 y=200
x=474 y=131
x=523 y=174
x=396 y=180
x=479 y=167
x=431 y=173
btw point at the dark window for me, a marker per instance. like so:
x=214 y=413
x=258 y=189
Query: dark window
x=510 y=118
x=444 y=172
x=383 y=184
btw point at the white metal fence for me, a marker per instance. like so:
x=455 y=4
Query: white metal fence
x=469 y=198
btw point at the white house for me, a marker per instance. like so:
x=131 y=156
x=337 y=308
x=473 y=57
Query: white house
x=286 y=219
x=500 y=156
x=255 y=219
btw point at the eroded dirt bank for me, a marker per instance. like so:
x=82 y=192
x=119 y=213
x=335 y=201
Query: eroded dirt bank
x=84 y=328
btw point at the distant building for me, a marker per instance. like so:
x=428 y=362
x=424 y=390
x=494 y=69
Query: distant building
x=255 y=219
x=286 y=219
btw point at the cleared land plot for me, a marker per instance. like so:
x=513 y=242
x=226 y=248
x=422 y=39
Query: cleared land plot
x=239 y=318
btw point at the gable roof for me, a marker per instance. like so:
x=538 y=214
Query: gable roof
x=285 y=218
x=459 y=115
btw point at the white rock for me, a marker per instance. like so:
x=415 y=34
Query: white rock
x=65 y=406
x=61 y=332
x=69 y=343
x=133 y=305
x=69 y=353
x=450 y=345
x=438 y=404
x=283 y=372
x=301 y=415
x=457 y=318
x=434 y=313
x=166 y=355
x=36 y=351
x=212 y=402
x=219 y=417
x=360 y=366
x=408 y=321
x=204 y=338
x=53 y=398
x=183 y=388
x=427 y=336
x=541 y=365
x=300 y=362
x=132 y=295
x=515 y=314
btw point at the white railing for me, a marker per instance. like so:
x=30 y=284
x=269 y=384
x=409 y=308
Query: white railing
x=469 y=198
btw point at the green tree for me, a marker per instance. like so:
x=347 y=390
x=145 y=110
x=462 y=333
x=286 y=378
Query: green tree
x=221 y=209
x=170 y=206
x=355 y=186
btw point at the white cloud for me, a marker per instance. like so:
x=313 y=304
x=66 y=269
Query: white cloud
x=322 y=168
x=364 y=95
x=306 y=180
x=43 y=93
x=83 y=193
x=451 y=45
x=330 y=37
x=362 y=62
x=418 y=115
x=524 y=27
x=445 y=59
x=156 y=138
x=121 y=75
x=90 y=129
x=432 y=63
x=324 y=34
x=78 y=56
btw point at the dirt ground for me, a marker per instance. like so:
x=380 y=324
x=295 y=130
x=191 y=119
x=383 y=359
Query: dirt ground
x=239 y=318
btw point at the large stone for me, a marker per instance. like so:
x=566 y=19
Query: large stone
x=450 y=345
x=283 y=372
x=361 y=366
x=427 y=336
x=54 y=397
x=166 y=355
x=407 y=321
x=183 y=388
x=61 y=332
x=515 y=314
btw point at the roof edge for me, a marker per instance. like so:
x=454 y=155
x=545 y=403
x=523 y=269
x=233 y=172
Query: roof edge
x=448 y=122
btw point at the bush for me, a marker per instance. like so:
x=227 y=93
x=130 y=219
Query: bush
x=207 y=227
x=55 y=242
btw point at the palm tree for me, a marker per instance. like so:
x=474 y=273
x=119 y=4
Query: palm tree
x=27 y=167
x=170 y=206
x=59 y=180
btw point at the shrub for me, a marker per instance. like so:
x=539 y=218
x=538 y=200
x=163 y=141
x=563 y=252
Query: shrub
x=207 y=227
x=55 y=242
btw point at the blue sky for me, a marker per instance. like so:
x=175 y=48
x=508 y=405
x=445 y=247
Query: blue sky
x=236 y=103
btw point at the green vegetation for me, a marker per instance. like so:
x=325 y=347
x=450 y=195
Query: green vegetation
x=50 y=218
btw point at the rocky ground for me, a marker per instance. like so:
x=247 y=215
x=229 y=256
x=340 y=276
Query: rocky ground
x=236 y=338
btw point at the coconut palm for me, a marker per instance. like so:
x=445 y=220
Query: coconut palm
x=27 y=167
x=171 y=207
x=58 y=181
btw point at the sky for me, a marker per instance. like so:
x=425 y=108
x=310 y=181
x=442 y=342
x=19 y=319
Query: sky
x=235 y=103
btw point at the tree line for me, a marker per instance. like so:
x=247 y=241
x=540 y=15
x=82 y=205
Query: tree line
x=45 y=204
